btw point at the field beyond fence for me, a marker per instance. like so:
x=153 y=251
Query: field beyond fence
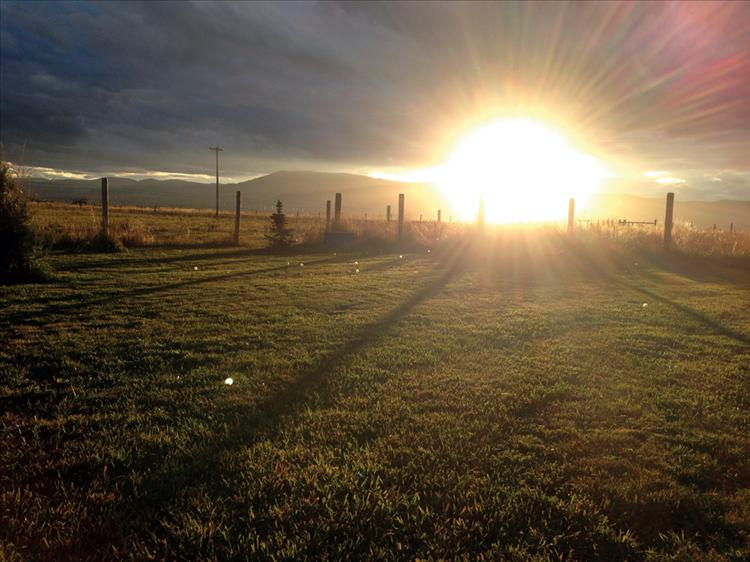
x=71 y=226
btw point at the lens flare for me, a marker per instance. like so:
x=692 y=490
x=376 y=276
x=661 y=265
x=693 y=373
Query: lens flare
x=521 y=170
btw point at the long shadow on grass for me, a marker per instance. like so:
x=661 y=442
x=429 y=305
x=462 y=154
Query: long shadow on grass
x=696 y=315
x=140 y=261
x=199 y=468
x=703 y=269
x=42 y=316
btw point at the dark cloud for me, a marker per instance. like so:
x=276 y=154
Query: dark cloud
x=352 y=85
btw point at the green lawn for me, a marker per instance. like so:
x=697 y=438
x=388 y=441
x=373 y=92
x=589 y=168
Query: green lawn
x=526 y=404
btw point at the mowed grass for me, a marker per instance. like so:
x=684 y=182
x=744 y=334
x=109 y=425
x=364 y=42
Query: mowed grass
x=535 y=400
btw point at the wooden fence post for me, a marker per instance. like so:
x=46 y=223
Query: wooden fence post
x=105 y=206
x=571 y=214
x=328 y=214
x=337 y=210
x=237 y=220
x=400 y=215
x=388 y=213
x=438 y=215
x=731 y=227
x=668 y=221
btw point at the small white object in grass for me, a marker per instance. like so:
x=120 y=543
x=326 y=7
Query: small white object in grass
x=301 y=264
x=645 y=304
x=229 y=381
x=195 y=268
x=334 y=253
x=400 y=257
x=356 y=263
x=428 y=251
x=356 y=270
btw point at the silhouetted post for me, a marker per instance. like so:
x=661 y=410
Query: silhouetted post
x=105 y=206
x=237 y=220
x=668 y=221
x=217 y=149
x=388 y=213
x=328 y=214
x=438 y=215
x=571 y=214
x=400 y=215
x=731 y=227
x=714 y=226
x=337 y=210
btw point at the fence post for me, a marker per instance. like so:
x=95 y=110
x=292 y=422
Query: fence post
x=731 y=227
x=328 y=214
x=400 y=215
x=571 y=214
x=105 y=206
x=237 y=220
x=438 y=215
x=388 y=213
x=337 y=211
x=668 y=221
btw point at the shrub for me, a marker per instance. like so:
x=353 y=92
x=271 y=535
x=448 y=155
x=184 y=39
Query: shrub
x=16 y=235
x=279 y=235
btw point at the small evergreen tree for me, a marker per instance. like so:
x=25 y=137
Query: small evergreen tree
x=279 y=236
x=16 y=236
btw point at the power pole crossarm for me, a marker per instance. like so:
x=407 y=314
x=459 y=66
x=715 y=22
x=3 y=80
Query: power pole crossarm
x=217 y=149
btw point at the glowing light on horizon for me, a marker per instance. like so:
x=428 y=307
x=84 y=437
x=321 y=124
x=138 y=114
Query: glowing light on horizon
x=663 y=177
x=523 y=171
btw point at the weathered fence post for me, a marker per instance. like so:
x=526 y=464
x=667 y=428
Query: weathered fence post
x=438 y=215
x=237 y=220
x=105 y=206
x=328 y=214
x=571 y=214
x=400 y=215
x=731 y=227
x=388 y=213
x=668 y=221
x=337 y=210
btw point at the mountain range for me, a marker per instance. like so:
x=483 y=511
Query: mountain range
x=307 y=192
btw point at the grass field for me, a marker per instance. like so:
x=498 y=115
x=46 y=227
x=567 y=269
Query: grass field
x=539 y=399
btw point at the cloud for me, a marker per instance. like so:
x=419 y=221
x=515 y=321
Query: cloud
x=103 y=86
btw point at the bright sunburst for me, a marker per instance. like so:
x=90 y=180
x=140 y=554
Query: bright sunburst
x=522 y=169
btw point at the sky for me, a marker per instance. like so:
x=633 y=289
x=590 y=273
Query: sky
x=660 y=92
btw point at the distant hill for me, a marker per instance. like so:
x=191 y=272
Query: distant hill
x=307 y=192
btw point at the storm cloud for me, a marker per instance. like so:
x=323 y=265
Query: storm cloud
x=360 y=86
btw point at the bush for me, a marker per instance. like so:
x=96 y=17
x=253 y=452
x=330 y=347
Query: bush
x=16 y=235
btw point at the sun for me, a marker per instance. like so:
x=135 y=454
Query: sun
x=522 y=169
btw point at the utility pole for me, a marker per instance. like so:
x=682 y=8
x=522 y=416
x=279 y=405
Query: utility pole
x=216 y=149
